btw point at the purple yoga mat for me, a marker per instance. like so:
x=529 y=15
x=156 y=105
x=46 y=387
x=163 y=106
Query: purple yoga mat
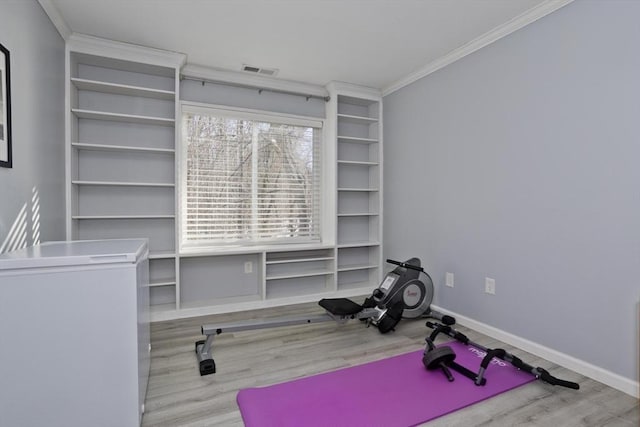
x=397 y=391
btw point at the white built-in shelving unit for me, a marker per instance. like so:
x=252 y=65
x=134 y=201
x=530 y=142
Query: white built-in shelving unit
x=358 y=114
x=123 y=111
x=121 y=133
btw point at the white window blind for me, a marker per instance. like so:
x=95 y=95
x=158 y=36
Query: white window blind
x=249 y=178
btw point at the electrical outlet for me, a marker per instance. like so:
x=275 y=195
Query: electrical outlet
x=449 y=280
x=489 y=286
x=248 y=267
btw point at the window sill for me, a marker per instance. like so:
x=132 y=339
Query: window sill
x=242 y=249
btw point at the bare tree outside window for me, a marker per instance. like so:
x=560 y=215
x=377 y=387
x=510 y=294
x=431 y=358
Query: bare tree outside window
x=250 y=181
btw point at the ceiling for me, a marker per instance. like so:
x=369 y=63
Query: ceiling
x=374 y=43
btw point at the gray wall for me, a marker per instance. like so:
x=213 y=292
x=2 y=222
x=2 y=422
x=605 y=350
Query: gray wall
x=522 y=161
x=32 y=192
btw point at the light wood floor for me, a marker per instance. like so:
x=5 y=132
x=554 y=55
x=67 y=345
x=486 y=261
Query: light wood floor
x=178 y=396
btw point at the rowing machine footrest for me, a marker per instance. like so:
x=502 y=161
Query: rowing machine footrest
x=340 y=306
x=207 y=367
x=391 y=318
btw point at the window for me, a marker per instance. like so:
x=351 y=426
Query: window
x=249 y=178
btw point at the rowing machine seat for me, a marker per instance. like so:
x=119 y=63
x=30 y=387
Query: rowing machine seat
x=340 y=306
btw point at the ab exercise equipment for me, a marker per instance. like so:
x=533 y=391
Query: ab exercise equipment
x=443 y=358
x=403 y=293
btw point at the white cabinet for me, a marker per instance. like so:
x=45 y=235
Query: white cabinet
x=74 y=334
x=121 y=110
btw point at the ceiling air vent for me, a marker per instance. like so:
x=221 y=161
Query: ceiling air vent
x=259 y=70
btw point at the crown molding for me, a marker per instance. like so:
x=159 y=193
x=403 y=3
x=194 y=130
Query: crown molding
x=198 y=72
x=520 y=21
x=349 y=89
x=128 y=52
x=54 y=16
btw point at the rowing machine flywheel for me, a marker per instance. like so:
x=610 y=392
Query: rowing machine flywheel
x=417 y=297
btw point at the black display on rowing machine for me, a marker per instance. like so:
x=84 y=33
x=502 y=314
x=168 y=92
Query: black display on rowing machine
x=389 y=281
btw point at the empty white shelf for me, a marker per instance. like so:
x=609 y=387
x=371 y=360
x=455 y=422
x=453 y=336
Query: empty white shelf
x=355 y=139
x=120 y=89
x=123 y=184
x=356 y=119
x=107 y=147
x=119 y=117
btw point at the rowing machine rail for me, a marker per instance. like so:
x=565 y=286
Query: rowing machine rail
x=204 y=348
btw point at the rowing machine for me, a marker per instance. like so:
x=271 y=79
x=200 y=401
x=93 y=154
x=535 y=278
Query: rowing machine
x=402 y=294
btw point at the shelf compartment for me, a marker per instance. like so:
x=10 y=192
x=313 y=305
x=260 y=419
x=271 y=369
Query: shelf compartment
x=358 y=106
x=354 y=267
x=357 y=140
x=298 y=275
x=358 y=279
x=120 y=103
x=162 y=282
x=358 y=176
x=350 y=118
x=361 y=133
x=358 y=189
x=130 y=134
x=109 y=147
x=292 y=264
x=160 y=232
x=124 y=166
x=288 y=261
x=358 y=214
x=161 y=308
x=358 y=228
x=358 y=202
x=358 y=244
x=162 y=297
x=121 y=72
x=357 y=163
x=119 y=117
x=125 y=201
x=157 y=255
x=294 y=287
x=162 y=272
x=358 y=118
x=123 y=184
x=81 y=217
x=357 y=256
x=299 y=256
x=122 y=89
x=216 y=278
x=197 y=305
x=354 y=153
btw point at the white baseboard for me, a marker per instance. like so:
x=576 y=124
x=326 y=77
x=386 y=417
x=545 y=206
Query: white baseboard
x=597 y=373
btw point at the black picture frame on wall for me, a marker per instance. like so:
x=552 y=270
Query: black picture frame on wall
x=5 y=109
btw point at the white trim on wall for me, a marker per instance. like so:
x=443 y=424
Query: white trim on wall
x=96 y=46
x=56 y=18
x=594 y=372
x=522 y=20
